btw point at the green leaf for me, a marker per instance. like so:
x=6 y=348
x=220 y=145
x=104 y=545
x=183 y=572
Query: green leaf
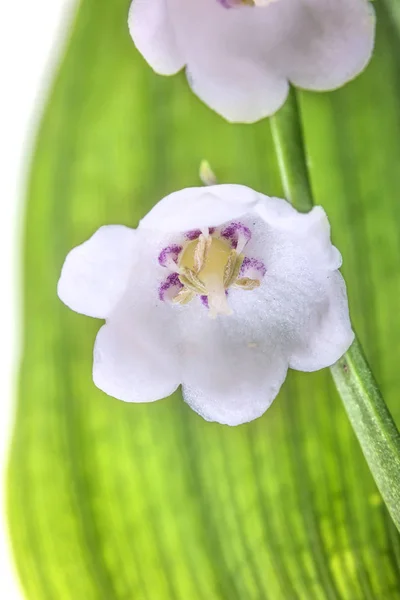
x=372 y=423
x=369 y=415
x=111 y=501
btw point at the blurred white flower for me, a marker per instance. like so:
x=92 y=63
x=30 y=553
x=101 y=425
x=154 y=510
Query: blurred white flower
x=241 y=54
x=266 y=275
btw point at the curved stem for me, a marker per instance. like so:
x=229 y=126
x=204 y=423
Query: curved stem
x=368 y=413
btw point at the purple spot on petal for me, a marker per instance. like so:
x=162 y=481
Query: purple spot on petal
x=171 y=281
x=234 y=231
x=193 y=234
x=169 y=253
x=253 y=264
x=204 y=301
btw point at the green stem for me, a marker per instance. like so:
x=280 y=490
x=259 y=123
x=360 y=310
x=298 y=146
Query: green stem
x=290 y=151
x=368 y=413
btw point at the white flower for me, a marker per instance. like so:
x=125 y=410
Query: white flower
x=266 y=275
x=241 y=54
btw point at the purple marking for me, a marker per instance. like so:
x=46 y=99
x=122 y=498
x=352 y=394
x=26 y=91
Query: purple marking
x=169 y=253
x=204 y=301
x=193 y=234
x=165 y=288
x=254 y=265
x=234 y=231
x=229 y=3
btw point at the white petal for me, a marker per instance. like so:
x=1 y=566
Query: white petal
x=136 y=353
x=295 y=295
x=194 y=208
x=300 y=289
x=331 y=44
x=239 y=60
x=329 y=335
x=231 y=56
x=240 y=91
x=153 y=34
x=95 y=274
x=228 y=379
x=134 y=363
x=310 y=229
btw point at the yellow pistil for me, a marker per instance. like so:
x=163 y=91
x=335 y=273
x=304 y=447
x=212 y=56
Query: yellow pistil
x=210 y=271
x=214 y=261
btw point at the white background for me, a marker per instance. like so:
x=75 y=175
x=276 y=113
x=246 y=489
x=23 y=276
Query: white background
x=31 y=36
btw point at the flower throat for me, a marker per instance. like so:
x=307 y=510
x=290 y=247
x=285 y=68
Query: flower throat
x=208 y=266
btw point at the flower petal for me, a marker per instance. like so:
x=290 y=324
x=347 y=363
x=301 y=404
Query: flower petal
x=331 y=43
x=240 y=91
x=95 y=274
x=330 y=335
x=198 y=207
x=228 y=379
x=134 y=359
x=231 y=56
x=300 y=289
x=136 y=353
x=153 y=34
x=239 y=60
x=310 y=229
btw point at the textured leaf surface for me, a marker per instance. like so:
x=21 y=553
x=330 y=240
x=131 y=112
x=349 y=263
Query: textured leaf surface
x=109 y=501
x=370 y=417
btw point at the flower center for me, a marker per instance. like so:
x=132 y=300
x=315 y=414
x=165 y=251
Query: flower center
x=207 y=258
x=209 y=264
x=214 y=259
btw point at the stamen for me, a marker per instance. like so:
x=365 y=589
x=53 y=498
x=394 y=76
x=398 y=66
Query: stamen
x=246 y=283
x=208 y=280
x=190 y=280
x=184 y=296
x=232 y=268
x=207 y=266
x=201 y=251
